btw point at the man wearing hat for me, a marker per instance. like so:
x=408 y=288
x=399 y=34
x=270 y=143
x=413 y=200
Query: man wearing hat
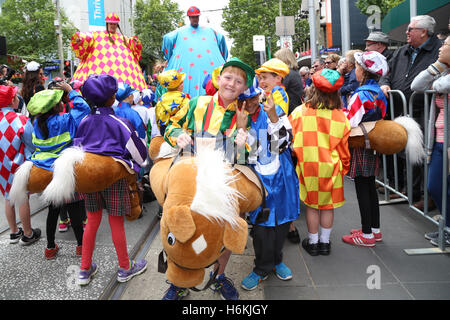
x=379 y=41
x=108 y=52
x=195 y=50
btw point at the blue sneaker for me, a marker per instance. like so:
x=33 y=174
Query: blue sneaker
x=225 y=287
x=251 y=281
x=175 y=293
x=135 y=269
x=85 y=276
x=283 y=272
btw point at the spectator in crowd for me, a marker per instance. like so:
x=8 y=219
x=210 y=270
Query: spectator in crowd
x=318 y=65
x=305 y=73
x=331 y=61
x=379 y=41
x=406 y=63
x=33 y=80
x=443 y=34
x=437 y=77
x=293 y=81
x=350 y=82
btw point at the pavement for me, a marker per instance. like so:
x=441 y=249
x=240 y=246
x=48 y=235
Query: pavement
x=384 y=272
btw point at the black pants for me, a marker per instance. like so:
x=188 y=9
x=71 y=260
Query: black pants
x=76 y=212
x=368 y=203
x=268 y=244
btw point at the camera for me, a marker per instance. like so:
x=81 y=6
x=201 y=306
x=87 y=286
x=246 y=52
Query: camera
x=9 y=73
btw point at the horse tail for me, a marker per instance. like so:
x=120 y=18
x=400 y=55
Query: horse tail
x=18 y=192
x=414 y=146
x=62 y=186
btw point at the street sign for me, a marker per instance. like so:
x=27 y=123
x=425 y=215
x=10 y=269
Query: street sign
x=286 y=42
x=259 y=43
x=285 y=26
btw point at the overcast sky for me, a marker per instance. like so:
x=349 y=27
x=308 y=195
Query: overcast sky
x=212 y=19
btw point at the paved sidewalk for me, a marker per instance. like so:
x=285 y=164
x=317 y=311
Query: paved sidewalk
x=382 y=272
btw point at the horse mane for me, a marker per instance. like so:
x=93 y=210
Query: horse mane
x=215 y=197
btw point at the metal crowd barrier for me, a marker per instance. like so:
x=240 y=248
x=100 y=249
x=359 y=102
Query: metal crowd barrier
x=440 y=223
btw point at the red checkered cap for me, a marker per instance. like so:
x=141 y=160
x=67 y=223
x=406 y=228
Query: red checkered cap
x=372 y=61
x=193 y=12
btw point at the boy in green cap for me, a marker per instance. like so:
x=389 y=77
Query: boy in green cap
x=53 y=133
x=217 y=116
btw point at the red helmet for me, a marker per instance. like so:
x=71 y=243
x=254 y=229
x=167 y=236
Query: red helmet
x=193 y=12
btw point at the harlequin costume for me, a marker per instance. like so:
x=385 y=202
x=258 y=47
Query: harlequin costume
x=321 y=147
x=118 y=57
x=16 y=136
x=171 y=101
x=278 y=93
x=194 y=51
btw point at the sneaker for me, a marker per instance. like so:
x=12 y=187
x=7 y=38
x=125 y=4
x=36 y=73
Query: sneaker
x=225 y=287
x=312 y=249
x=64 y=225
x=283 y=272
x=78 y=251
x=85 y=276
x=135 y=269
x=357 y=239
x=432 y=235
x=293 y=236
x=51 y=253
x=26 y=241
x=175 y=293
x=251 y=281
x=378 y=236
x=435 y=241
x=15 y=237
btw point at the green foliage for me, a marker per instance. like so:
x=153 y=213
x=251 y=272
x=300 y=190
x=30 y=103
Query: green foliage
x=152 y=20
x=245 y=18
x=28 y=26
x=384 y=5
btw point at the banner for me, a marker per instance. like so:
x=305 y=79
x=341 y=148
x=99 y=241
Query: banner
x=96 y=9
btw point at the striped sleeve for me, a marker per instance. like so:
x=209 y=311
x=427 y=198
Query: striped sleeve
x=177 y=123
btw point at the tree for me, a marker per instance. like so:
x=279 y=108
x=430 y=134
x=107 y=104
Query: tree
x=152 y=20
x=243 y=19
x=384 y=5
x=28 y=26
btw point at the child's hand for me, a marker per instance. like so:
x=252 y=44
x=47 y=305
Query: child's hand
x=184 y=140
x=64 y=86
x=241 y=138
x=241 y=117
x=269 y=108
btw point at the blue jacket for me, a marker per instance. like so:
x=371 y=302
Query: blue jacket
x=124 y=110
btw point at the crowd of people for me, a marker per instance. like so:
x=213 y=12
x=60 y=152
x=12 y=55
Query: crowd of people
x=307 y=115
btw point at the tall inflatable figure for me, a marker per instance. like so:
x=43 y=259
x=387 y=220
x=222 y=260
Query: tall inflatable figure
x=194 y=50
x=108 y=52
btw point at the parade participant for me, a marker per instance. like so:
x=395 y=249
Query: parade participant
x=368 y=103
x=210 y=83
x=171 y=101
x=108 y=52
x=33 y=80
x=270 y=76
x=15 y=149
x=54 y=132
x=102 y=132
x=125 y=97
x=220 y=114
x=321 y=132
x=273 y=164
x=195 y=50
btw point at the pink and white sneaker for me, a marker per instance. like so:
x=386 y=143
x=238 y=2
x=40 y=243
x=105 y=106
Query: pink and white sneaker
x=357 y=239
x=378 y=236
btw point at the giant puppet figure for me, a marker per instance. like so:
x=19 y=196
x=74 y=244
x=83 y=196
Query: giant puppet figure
x=194 y=50
x=108 y=52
